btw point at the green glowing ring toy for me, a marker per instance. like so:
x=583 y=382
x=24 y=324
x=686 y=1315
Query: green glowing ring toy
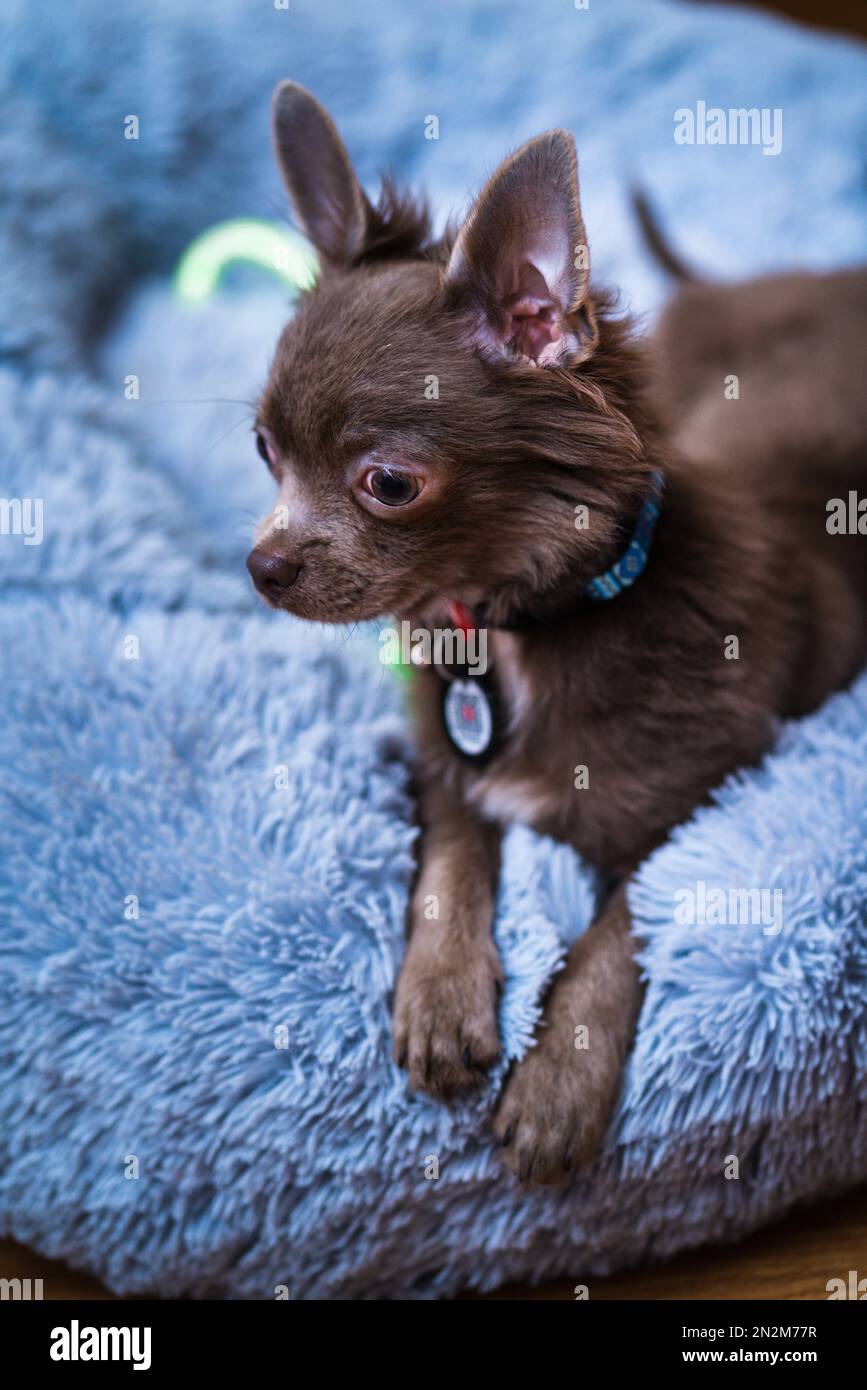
x=277 y=249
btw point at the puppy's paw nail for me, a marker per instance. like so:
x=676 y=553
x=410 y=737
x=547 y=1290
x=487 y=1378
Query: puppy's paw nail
x=507 y=1137
x=467 y=1058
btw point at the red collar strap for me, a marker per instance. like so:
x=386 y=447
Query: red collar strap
x=461 y=616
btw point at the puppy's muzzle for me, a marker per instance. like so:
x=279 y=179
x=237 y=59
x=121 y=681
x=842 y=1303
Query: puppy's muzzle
x=273 y=575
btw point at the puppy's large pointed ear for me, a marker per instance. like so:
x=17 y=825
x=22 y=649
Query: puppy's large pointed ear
x=322 y=184
x=521 y=262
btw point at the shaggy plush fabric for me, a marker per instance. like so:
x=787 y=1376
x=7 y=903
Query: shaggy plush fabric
x=205 y=828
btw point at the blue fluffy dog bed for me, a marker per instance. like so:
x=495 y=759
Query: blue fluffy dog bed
x=206 y=834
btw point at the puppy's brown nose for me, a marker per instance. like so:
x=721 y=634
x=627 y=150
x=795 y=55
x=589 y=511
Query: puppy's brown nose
x=272 y=574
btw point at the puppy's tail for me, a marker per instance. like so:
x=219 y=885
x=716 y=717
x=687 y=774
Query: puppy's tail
x=664 y=255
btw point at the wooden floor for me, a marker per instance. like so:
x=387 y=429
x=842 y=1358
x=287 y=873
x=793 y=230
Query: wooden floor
x=848 y=16
x=792 y=1260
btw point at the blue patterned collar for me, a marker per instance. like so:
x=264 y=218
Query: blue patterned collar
x=630 y=566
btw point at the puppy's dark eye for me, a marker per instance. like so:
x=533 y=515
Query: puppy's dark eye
x=264 y=450
x=392 y=486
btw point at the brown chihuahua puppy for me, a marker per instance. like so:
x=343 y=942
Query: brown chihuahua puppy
x=463 y=433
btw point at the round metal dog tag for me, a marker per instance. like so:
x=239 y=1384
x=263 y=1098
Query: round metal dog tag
x=468 y=717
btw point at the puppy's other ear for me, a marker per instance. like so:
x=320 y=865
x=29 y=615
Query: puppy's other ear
x=325 y=192
x=521 y=261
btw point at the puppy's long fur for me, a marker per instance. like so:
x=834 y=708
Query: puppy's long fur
x=436 y=412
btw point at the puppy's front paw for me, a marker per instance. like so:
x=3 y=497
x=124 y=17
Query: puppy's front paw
x=445 y=1015
x=555 y=1106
